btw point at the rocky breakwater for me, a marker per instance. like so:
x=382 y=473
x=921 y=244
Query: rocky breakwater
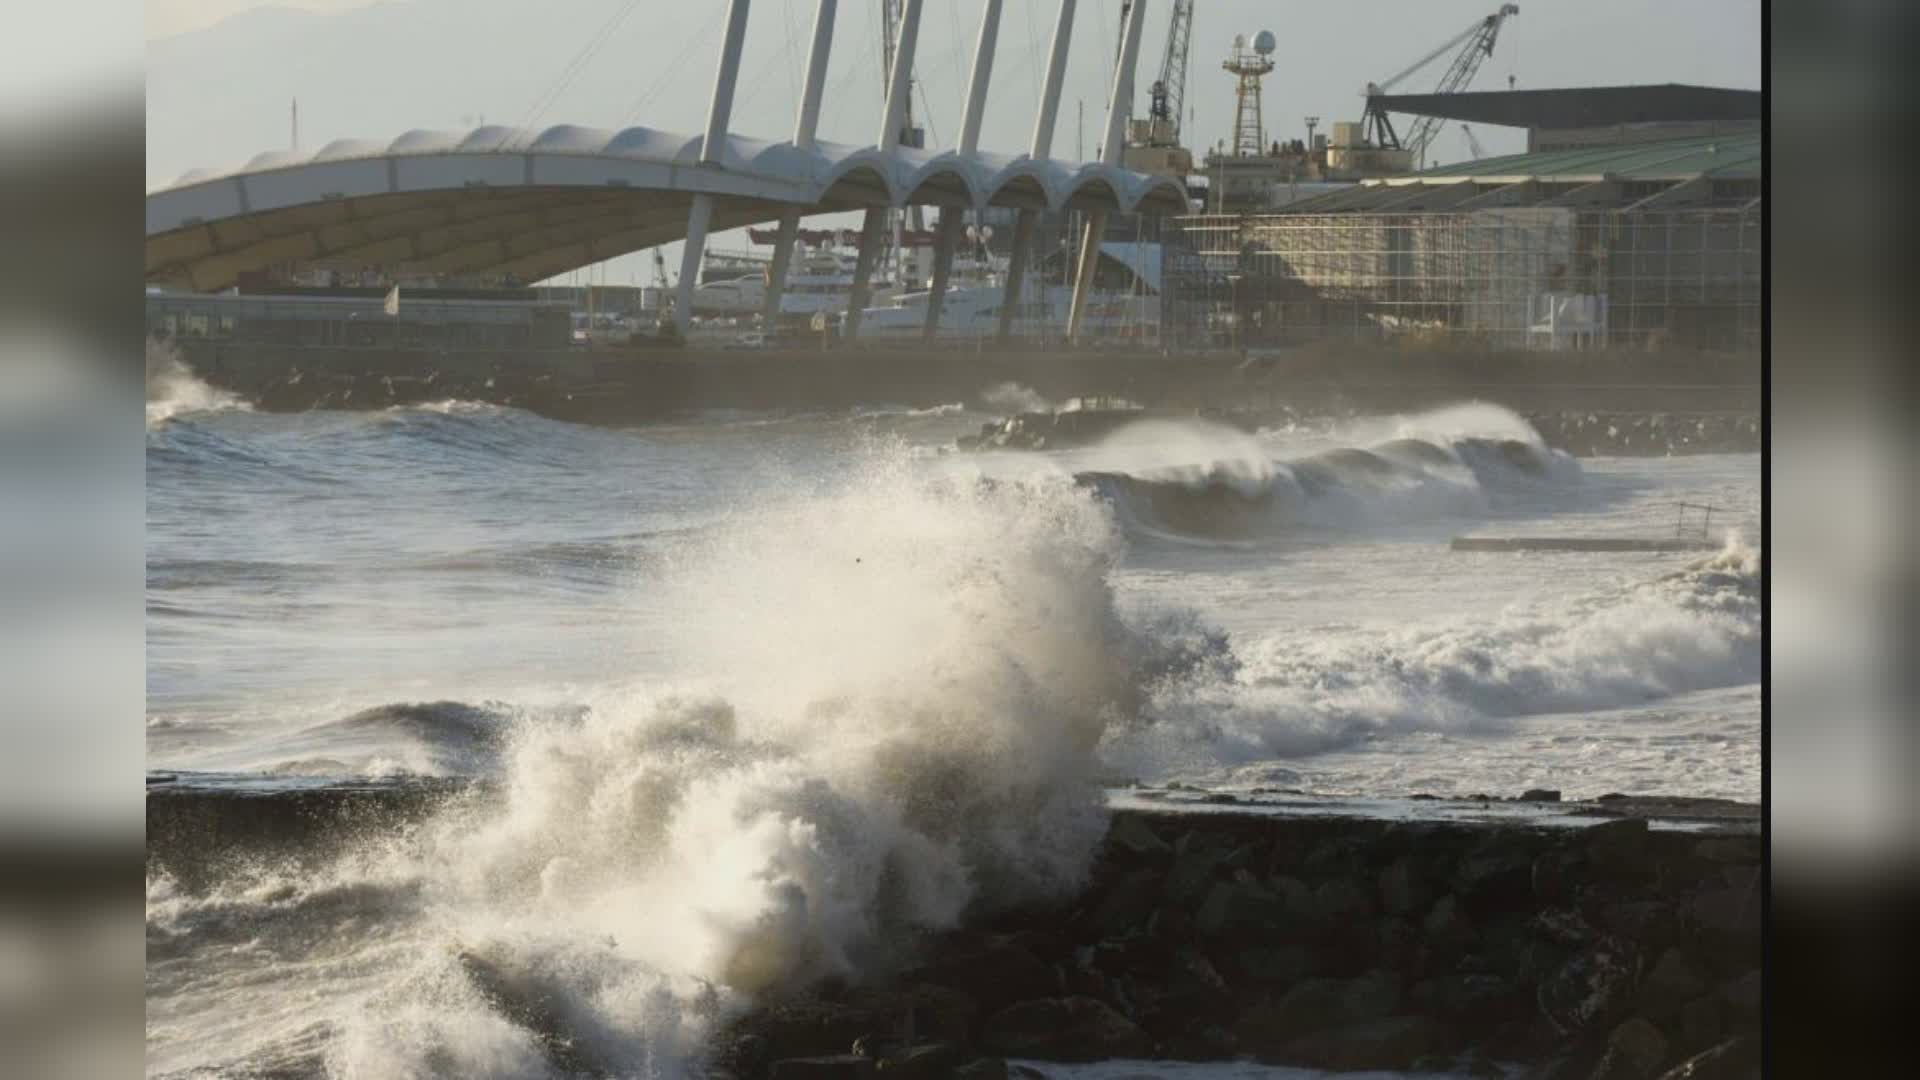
x=1606 y=951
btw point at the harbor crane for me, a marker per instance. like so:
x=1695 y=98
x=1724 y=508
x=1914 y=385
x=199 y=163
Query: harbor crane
x=1169 y=91
x=1475 y=44
x=1166 y=96
x=1473 y=144
x=1153 y=144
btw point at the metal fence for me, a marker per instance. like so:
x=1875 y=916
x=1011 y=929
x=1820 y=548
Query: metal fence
x=1523 y=277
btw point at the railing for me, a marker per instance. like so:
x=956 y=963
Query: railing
x=1704 y=532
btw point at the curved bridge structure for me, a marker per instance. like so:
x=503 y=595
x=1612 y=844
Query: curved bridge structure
x=535 y=204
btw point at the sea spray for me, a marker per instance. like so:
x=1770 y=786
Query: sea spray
x=173 y=389
x=907 y=679
x=1012 y=397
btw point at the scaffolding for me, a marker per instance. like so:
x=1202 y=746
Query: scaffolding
x=1540 y=277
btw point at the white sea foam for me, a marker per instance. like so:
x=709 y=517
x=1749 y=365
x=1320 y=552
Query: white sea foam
x=1304 y=693
x=1012 y=397
x=173 y=389
x=916 y=675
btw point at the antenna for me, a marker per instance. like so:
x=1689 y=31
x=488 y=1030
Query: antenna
x=1249 y=131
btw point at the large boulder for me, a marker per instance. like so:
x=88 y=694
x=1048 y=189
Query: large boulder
x=823 y=1067
x=1127 y=905
x=1619 y=846
x=1393 y=1042
x=1635 y=1051
x=1673 y=982
x=1063 y=1029
x=992 y=971
x=1135 y=837
x=1590 y=988
x=1241 y=911
x=1404 y=888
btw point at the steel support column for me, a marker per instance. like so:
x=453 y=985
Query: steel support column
x=711 y=150
x=898 y=82
x=1110 y=155
x=871 y=228
x=950 y=217
x=1041 y=150
x=803 y=138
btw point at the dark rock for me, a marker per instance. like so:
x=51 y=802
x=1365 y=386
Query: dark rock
x=1136 y=837
x=925 y=1061
x=992 y=971
x=1469 y=1000
x=1635 y=1051
x=1590 y=988
x=1394 y=1042
x=1497 y=878
x=1210 y=1043
x=1556 y=873
x=1741 y=997
x=1193 y=871
x=1735 y=1059
x=1730 y=912
x=1566 y=926
x=1241 y=911
x=1673 y=981
x=1446 y=927
x=823 y=1067
x=932 y=1012
x=1399 y=943
x=1728 y=849
x=1540 y=795
x=1297 y=898
x=1283 y=964
x=1700 y=1023
x=1192 y=989
x=1652 y=924
x=1343 y=900
x=810 y=1026
x=1063 y=1029
x=1403 y=888
x=1618 y=846
x=988 y=1068
x=1322 y=1003
x=1126 y=906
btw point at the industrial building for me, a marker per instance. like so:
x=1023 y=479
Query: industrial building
x=1616 y=240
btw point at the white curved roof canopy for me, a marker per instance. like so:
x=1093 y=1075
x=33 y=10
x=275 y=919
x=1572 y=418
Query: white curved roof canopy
x=535 y=204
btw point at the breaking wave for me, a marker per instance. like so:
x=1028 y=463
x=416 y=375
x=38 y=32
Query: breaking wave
x=895 y=692
x=174 y=390
x=1694 y=629
x=1243 y=494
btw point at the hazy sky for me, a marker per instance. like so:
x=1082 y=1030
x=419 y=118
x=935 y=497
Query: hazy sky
x=219 y=86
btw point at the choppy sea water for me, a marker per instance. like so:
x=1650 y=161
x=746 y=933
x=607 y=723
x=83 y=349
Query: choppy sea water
x=736 y=670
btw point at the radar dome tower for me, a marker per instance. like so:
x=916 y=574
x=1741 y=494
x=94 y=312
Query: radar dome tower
x=1249 y=133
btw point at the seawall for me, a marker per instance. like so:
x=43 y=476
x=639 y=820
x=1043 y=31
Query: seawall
x=1573 y=941
x=649 y=384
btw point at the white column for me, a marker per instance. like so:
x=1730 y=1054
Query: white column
x=861 y=294
x=950 y=217
x=894 y=115
x=1041 y=150
x=803 y=131
x=1109 y=155
x=711 y=148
